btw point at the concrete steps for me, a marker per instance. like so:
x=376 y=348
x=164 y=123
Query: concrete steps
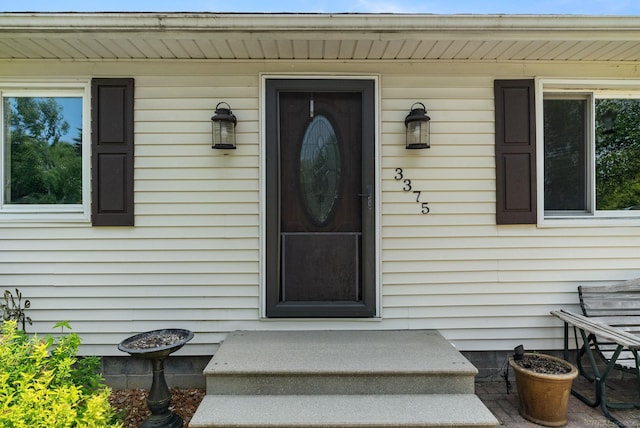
x=340 y=379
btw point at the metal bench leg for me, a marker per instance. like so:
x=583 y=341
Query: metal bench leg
x=581 y=351
x=596 y=373
x=635 y=356
x=605 y=405
x=599 y=381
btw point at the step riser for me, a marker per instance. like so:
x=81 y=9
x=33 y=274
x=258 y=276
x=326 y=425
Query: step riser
x=322 y=411
x=340 y=384
x=366 y=425
x=325 y=425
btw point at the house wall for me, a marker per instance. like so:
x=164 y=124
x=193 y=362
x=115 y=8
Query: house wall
x=193 y=260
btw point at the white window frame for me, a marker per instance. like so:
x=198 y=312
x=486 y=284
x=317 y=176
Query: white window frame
x=49 y=212
x=590 y=90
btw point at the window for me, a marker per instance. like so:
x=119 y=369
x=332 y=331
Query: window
x=565 y=155
x=44 y=153
x=590 y=152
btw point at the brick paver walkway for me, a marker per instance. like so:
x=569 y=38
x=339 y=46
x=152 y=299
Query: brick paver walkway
x=505 y=406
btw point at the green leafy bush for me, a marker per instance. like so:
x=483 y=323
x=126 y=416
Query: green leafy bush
x=43 y=384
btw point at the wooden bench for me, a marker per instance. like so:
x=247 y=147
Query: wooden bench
x=617 y=306
x=610 y=329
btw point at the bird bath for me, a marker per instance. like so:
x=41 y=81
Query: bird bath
x=156 y=346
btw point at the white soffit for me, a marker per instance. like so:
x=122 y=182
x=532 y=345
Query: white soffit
x=132 y=36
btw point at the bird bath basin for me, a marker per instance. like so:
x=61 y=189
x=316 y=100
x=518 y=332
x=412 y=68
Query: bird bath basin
x=156 y=346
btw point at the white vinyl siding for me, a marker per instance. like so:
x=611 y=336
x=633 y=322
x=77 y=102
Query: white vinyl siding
x=194 y=259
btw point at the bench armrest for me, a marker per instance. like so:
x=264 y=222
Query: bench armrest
x=598 y=328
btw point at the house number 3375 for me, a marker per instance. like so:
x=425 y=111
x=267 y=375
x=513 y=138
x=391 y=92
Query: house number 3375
x=408 y=187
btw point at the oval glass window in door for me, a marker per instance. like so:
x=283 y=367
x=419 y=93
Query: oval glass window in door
x=320 y=167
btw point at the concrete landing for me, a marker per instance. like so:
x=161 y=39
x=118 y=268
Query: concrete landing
x=339 y=362
x=306 y=352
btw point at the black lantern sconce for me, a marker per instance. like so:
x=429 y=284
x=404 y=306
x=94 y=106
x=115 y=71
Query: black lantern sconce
x=417 y=124
x=223 y=128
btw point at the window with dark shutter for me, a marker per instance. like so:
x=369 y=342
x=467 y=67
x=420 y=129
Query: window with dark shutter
x=112 y=152
x=515 y=152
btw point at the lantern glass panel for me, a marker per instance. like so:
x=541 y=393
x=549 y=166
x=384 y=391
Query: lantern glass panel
x=224 y=134
x=418 y=134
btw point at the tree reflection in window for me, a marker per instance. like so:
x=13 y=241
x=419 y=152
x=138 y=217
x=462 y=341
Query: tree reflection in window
x=320 y=169
x=573 y=166
x=42 y=152
x=618 y=154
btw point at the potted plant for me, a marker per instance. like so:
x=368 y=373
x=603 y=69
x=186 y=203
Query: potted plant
x=544 y=386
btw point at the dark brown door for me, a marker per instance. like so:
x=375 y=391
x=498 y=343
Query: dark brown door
x=320 y=199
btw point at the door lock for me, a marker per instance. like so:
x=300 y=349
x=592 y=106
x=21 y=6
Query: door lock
x=369 y=196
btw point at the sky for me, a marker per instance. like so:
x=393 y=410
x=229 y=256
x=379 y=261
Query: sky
x=573 y=7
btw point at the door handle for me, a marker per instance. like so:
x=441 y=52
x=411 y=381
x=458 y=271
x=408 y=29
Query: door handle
x=369 y=196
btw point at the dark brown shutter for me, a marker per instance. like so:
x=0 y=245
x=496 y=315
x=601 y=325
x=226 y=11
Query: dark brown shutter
x=515 y=152
x=112 y=152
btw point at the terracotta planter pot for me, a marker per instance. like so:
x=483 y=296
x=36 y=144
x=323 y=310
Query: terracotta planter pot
x=544 y=398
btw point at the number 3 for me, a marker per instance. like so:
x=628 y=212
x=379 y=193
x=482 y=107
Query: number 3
x=399 y=175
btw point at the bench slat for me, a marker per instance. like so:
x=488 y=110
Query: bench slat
x=622 y=303
x=611 y=302
x=626 y=363
x=622 y=299
x=610 y=348
x=630 y=285
x=630 y=324
x=599 y=329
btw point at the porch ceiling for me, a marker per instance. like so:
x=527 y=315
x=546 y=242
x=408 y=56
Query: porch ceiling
x=132 y=36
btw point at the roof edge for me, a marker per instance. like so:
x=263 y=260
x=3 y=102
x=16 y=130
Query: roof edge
x=65 y=22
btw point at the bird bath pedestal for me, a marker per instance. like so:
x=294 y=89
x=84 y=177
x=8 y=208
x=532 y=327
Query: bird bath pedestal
x=156 y=346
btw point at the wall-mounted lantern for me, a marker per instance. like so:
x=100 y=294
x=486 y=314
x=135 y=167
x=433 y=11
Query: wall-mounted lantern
x=223 y=128
x=417 y=124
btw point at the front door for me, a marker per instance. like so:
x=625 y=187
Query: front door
x=320 y=171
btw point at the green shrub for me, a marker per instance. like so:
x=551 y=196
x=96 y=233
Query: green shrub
x=43 y=384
